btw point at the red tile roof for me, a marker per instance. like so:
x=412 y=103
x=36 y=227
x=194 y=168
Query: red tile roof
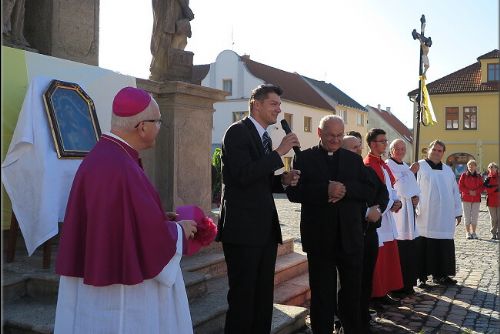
x=294 y=87
x=490 y=55
x=336 y=94
x=394 y=122
x=465 y=80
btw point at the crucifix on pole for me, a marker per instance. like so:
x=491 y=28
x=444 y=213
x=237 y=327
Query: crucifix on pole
x=423 y=65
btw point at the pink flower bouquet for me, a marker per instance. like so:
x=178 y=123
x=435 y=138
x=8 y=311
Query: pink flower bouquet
x=206 y=229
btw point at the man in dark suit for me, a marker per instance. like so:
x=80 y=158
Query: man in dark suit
x=248 y=227
x=376 y=204
x=333 y=188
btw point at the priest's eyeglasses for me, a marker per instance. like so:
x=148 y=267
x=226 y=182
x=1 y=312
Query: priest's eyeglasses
x=158 y=122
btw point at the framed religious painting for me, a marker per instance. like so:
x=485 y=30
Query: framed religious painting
x=72 y=119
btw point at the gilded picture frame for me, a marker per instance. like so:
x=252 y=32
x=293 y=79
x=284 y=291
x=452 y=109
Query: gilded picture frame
x=72 y=119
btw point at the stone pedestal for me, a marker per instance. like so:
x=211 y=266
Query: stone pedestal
x=180 y=65
x=180 y=164
x=67 y=29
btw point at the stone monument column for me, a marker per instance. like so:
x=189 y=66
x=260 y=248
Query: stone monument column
x=67 y=29
x=180 y=163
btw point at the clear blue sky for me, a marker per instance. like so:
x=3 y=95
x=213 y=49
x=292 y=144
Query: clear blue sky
x=364 y=47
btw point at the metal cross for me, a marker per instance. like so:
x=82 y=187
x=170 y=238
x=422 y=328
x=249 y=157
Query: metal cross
x=423 y=64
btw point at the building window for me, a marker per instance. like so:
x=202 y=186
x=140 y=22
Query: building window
x=470 y=118
x=493 y=72
x=227 y=86
x=287 y=161
x=451 y=118
x=343 y=115
x=360 y=119
x=289 y=119
x=307 y=124
x=239 y=115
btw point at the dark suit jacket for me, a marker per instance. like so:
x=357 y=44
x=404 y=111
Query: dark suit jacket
x=379 y=196
x=248 y=212
x=321 y=221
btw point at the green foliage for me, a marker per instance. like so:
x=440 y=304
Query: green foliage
x=216 y=175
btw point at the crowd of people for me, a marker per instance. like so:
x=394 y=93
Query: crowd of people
x=370 y=227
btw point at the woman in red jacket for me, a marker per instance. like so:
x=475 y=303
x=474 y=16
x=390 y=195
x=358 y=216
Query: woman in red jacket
x=471 y=186
x=493 y=199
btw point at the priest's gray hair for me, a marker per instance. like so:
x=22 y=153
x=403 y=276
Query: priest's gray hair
x=394 y=142
x=128 y=123
x=329 y=118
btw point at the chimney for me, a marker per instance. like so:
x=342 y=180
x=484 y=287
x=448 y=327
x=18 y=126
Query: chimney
x=378 y=106
x=388 y=110
x=246 y=56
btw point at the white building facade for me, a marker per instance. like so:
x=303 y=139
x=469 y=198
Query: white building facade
x=231 y=73
x=304 y=101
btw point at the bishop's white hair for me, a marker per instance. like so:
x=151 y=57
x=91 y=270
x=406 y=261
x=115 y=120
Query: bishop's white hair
x=128 y=123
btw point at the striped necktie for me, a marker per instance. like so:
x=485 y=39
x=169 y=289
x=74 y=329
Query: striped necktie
x=266 y=141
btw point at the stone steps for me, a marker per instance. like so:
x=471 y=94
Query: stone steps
x=29 y=315
x=294 y=291
x=30 y=292
x=34 y=316
x=208 y=313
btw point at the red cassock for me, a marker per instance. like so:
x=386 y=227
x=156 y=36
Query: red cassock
x=387 y=275
x=115 y=230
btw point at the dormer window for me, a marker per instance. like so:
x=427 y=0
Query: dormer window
x=227 y=86
x=493 y=72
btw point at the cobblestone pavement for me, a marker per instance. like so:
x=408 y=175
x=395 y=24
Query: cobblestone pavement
x=472 y=306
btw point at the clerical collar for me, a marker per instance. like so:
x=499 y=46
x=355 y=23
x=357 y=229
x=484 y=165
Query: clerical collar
x=328 y=153
x=259 y=127
x=439 y=165
x=110 y=134
x=399 y=163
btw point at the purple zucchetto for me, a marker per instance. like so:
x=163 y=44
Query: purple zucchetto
x=130 y=101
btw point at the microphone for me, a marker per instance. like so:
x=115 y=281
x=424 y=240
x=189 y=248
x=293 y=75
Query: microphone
x=286 y=128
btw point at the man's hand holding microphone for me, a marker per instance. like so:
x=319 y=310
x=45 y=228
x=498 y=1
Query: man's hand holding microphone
x=289 y=141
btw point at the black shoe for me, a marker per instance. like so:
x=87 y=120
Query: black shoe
x=444 y=281
x=398 y=294
x=422 y=284
x=387 y=300
x=448 y=281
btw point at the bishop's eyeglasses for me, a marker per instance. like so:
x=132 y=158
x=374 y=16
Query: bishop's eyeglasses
x=158 y=122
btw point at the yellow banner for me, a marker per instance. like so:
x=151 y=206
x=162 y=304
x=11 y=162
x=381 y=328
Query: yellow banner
x=428 y=116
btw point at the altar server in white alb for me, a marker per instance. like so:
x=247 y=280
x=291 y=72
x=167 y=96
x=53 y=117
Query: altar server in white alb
x=119 y=253
x=408 y=192
x=438 y=212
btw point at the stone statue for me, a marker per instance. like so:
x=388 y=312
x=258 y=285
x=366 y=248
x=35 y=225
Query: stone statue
x=171 y=28
x=13 y=22
x=425 y=57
